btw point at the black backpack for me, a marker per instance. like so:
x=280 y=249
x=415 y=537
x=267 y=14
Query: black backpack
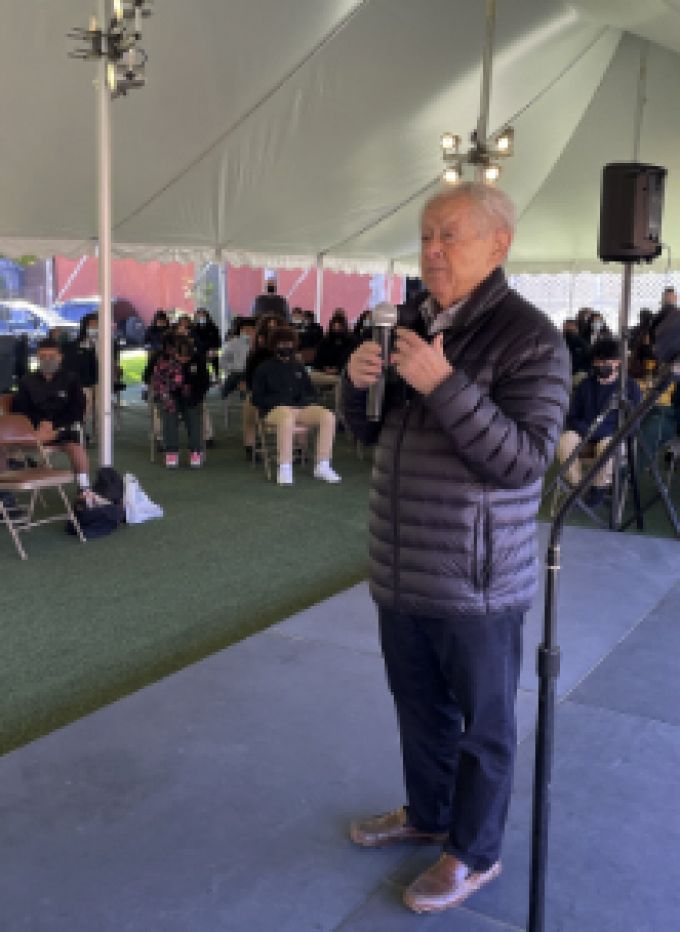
x=109 y=484
x=97 y=521
x=100 y=520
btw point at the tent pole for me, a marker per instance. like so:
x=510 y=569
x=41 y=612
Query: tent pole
x=49 y=283
x=624 y=309
x=485 y=97
x=319 y=287
x=222 y=288
x=389 y=278
x=104 y=415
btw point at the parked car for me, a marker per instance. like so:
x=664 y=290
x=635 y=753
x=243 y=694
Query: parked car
x=21 y=318
x=130 y=328
x=75 y=309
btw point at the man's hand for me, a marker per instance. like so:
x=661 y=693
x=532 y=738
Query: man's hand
x=423 y=365
x=46 y=431
x=365 y=365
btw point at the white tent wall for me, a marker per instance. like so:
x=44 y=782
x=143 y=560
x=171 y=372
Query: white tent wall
x=280 y=131
x=561 y=294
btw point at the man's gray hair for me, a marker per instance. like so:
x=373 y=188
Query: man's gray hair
x=492 y=203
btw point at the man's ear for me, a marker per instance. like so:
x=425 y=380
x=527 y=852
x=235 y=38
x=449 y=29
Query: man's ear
x=501 y=244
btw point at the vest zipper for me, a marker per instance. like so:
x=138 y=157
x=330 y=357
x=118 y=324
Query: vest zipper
x=395 y=504
x=486 y=576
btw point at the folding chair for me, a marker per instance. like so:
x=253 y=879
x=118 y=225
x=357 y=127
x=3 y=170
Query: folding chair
x=266 y=446
x=672 y=455
x=233 y=400
x=5 y=403
x=17 y=431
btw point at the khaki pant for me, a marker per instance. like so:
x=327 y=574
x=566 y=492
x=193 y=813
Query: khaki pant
x=568 y=443
x=286 y=419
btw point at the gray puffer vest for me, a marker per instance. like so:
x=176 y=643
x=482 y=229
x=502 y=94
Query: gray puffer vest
x=457 y=474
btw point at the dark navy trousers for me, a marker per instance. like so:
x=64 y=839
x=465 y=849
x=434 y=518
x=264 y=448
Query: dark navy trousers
x=454 y=683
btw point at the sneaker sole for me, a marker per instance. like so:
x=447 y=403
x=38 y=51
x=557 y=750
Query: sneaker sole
x=415 y=839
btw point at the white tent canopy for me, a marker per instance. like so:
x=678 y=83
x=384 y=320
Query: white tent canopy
x=271 y=132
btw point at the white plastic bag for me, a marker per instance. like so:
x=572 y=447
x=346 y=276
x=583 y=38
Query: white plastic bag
x=138 y=505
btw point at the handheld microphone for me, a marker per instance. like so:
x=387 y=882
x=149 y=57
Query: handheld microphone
x=384 y=319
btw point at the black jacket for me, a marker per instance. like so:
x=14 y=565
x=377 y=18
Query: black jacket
x=81 y=360
x=191 y=386
x=271 y=303
x=154 y=336
x=590 y=399
x=457 y=474
x=59 y=399
x=334 y=351
x=255 y=359
x=206 y=337
x=281 y=383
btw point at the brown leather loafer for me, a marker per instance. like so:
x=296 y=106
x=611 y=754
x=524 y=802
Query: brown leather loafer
x=389 y=829
x=446 y=884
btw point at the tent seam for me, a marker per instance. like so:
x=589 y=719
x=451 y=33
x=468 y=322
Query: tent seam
x=435 y=181
x=328 y=37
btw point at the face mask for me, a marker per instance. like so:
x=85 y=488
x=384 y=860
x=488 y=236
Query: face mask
x=201 y=321
x=603 y=370
x=48 y=366
x=285 y=353
x=92 y=333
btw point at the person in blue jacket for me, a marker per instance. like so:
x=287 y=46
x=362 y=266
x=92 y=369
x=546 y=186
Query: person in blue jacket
x=589 y=400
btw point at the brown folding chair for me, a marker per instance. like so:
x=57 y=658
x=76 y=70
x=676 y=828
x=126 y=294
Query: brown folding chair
x=266 y=446
x=16 y=431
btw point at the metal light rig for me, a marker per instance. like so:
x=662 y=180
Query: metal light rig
x=485 y=153
x=112 y=40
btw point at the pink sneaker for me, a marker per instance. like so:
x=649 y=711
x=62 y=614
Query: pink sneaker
x=195 y=460
x=171 y=460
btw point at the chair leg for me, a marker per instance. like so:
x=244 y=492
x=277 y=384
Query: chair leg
x=71 y=514
x=35 y=497
x=266 y=454
x=10 y=527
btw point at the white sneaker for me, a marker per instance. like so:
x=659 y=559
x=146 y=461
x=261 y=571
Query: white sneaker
x=326 y=472
x=285 y=474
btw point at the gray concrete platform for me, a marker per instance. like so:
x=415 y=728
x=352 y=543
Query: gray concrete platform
x=218 y=799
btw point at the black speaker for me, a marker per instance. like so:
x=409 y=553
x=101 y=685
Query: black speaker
x=630 y=212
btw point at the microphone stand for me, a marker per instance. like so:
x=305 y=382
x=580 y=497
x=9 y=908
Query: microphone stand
x=548 y=660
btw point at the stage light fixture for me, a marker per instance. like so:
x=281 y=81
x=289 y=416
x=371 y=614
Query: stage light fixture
x=111 y=77
x=481 y=156
x=116 y=40
x=452 y=174
x=504 y=142
x=450 y=143
x=492 y=173
x=485 y=149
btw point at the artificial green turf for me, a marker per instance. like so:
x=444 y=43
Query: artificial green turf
x=133 y=363
x=83 y=625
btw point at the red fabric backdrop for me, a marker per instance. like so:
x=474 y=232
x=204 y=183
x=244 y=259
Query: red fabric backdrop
x=149 y=285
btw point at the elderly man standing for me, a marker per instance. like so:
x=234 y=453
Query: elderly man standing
x=473 y=412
